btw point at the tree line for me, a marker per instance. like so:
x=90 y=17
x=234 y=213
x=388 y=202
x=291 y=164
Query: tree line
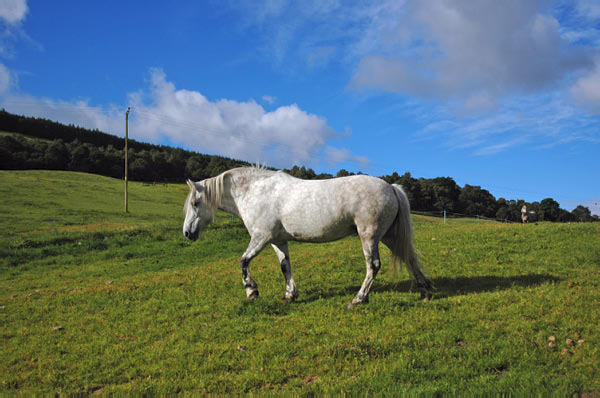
x=44 y=144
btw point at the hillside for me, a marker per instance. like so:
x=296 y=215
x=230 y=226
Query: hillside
x=43 y=144
x=114 y=303
x=32 y=143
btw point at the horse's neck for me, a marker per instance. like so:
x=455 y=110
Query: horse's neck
x=236 y=184
x=228 y=203
x=231 y=195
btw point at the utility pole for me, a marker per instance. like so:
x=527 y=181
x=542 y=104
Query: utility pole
x=126 y=137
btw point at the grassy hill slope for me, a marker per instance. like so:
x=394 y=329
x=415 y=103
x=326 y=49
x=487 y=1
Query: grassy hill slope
x=114 y=302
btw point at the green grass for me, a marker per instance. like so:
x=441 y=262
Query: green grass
x=119 y=302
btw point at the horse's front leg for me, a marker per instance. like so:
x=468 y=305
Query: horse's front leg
x=371 y=252
x=291 y=292
x=255 y=246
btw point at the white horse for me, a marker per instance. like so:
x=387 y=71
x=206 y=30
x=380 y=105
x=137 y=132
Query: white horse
x=276 y=208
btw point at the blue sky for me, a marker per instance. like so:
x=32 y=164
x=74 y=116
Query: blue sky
x=505 y=95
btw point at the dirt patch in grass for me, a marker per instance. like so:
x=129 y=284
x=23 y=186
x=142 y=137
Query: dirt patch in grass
x=88 y=228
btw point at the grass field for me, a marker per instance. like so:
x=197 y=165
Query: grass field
x=114 y=302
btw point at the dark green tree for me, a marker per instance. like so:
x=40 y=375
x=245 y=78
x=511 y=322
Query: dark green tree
x=140 y=169
x=476 y=201
x=57 y=156
x=550 y=209
x=79 y=157
x=582 y=213
x=446 y=194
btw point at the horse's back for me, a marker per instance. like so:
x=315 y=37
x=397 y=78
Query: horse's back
x=325 y=210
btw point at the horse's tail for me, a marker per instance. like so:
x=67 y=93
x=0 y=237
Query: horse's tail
x=403 y=249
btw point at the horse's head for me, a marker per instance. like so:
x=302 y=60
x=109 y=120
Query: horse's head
x=197 y=212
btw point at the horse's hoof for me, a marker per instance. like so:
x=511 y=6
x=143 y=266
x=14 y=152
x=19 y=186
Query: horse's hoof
x=426 y=296
x=353 y=304
x=289 y=299
x=253 y=296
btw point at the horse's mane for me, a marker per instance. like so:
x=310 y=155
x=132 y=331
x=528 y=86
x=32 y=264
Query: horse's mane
x=211 y=193
x=212 y=188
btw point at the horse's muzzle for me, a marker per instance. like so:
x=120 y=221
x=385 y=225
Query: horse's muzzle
x=191 y=235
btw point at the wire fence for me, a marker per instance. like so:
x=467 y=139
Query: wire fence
x=447 y=215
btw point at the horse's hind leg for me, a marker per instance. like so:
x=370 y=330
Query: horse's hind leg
x=291 y=292
x=255 y=246
x=423 y=282
x=371 y=252
x=412 y=264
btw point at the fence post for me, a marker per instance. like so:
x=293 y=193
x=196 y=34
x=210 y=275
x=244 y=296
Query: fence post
x=444 y=216
x=53 y=227
x=126 y=137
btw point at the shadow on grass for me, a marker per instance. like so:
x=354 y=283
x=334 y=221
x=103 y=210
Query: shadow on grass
x=262 y=307
x=448 y=287
x=444 y=287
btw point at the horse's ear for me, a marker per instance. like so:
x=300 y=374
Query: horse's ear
x=191 y=184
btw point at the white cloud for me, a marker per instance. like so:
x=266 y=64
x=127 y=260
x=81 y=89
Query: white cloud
x=589 y=9
x=307 y=33
x=243 y=130
x=335 y=156
x=13 y=11
x=586 y=89
x=534 y=122
x=5 y=79
x=79 y=113
x=457 y=49
x=500 y=146
x=268 y=99
x=478 y=103
x=474 y=53
x=283 y=137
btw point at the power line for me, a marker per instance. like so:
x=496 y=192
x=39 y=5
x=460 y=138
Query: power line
x=167 y=120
